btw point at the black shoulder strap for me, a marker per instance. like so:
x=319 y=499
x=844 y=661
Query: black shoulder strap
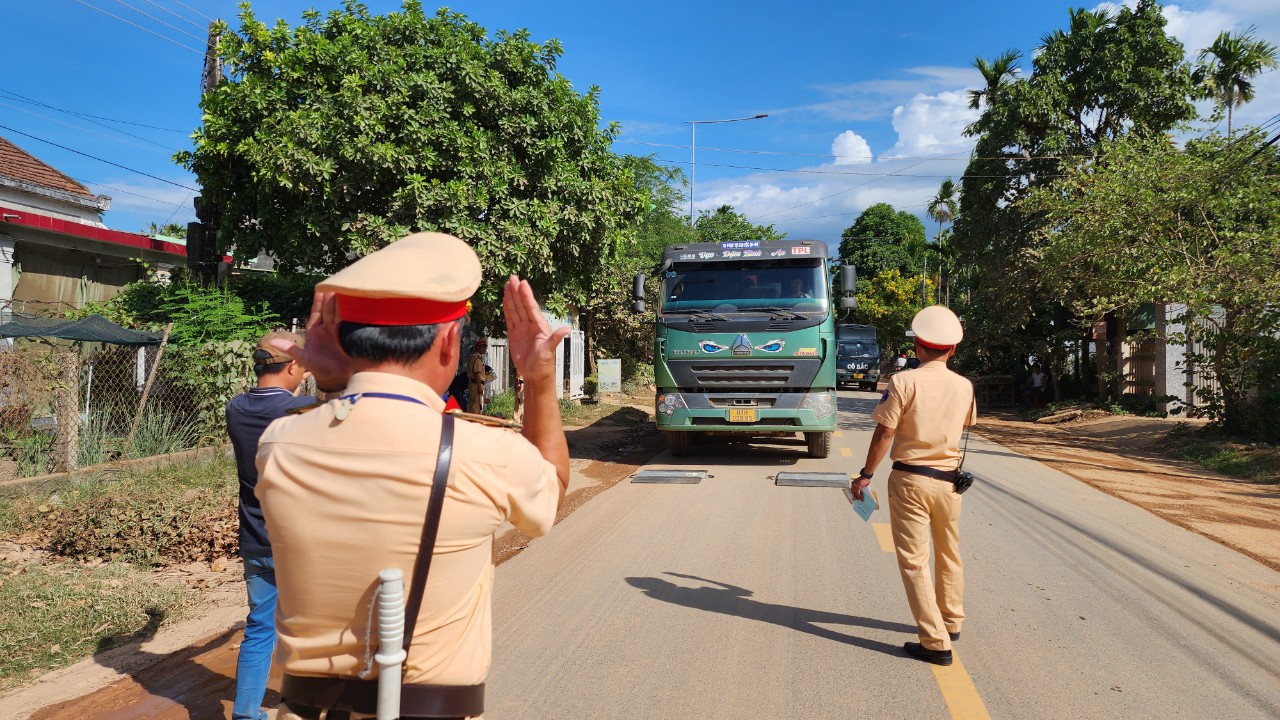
x=973 y=409
x=427 y=545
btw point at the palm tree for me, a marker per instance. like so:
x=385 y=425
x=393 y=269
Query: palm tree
x=1227 y=66
x=942 y=208
x=997 y=74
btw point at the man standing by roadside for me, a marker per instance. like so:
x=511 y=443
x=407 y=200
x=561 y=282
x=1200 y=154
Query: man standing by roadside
x=345 y=487
x=923 y=415
x=476 y=376
x=248 y=415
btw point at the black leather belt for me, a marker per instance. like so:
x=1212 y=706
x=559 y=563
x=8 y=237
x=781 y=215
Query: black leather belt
x=935 y=473
x=308 y=695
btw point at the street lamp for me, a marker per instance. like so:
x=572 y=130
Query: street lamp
x=693 y=150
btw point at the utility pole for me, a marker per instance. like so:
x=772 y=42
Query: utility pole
x=202 y=236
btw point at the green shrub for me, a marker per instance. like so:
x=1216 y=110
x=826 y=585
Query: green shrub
x=590 y=385
x=502 y=405
x=173 y=513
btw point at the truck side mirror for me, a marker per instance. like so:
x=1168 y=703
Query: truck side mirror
x=637 y=307
x=849 y=303
x=849 y=278
x=637 y=291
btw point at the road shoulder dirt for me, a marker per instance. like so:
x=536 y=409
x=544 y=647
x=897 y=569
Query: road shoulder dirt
x=1119 y=455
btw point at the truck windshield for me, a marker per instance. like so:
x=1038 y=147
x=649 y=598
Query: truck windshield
x=794 y=285
x=857 y=349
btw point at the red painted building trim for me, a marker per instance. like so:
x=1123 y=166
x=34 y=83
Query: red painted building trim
x=29 y=219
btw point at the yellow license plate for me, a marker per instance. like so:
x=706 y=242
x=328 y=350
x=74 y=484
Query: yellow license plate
x=742 y=416
x=857 y=376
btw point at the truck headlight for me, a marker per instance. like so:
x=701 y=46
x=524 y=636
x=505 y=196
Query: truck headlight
x=669 y=402
x=821 y=403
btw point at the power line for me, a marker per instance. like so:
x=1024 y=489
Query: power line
x=153 y=32
x=828 y=197
x=20 y=98
x=77 y=127
x=153 y=17
x=948 y=156
x=206 y=17
x=180 y=17
x=865 y=174
x=94 y=157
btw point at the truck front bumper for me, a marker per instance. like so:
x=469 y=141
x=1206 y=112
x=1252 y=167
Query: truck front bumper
x=741 y=413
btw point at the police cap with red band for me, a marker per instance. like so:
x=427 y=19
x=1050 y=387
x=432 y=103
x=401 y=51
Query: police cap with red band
x=937 y=327
x=422 y=279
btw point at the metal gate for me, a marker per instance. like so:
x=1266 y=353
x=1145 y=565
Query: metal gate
x=577 y=355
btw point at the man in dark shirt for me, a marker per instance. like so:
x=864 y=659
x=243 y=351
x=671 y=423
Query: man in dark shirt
x=248 y=416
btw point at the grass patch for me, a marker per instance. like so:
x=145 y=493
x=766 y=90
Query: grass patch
x=1209 y=448
x=169 y=514
x=54 y=614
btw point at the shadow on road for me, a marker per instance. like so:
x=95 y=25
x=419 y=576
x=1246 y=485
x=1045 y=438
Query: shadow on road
x=731 y=600
x=176 y=680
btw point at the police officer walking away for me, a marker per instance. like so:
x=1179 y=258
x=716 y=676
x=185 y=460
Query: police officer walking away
x=248 y=415
x=923 y=415
x=345 y=486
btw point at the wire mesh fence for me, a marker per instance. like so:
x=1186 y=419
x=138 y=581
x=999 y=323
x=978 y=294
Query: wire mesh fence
x=68 y=407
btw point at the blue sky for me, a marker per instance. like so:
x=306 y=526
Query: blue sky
x=866 y=101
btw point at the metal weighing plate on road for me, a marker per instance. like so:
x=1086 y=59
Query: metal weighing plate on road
x=812 y=479
x=669 y=477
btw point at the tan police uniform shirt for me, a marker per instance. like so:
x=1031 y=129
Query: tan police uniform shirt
x=475 y=369
x=929 y=408
x=345 y=499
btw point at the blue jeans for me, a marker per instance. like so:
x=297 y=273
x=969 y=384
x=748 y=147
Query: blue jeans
x=259 y=642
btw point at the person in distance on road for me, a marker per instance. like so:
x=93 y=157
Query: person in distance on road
x=248 y=415
x=345 y=486
x=923 y=415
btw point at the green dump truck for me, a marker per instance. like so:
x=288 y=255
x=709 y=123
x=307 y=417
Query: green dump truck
x=745 y=342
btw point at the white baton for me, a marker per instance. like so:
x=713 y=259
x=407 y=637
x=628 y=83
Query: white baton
x=391 y=655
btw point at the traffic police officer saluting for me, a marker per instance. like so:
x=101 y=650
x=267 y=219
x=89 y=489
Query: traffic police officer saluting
x=345 y=487
x=923 y=414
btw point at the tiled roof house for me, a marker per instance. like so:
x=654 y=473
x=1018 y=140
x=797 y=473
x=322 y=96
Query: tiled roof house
x=55 y=251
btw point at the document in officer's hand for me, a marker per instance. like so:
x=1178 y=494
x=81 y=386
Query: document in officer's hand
x=866 y=505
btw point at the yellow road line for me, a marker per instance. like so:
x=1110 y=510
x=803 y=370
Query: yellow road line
x=883 y=535
x=962 y=697
x=846 y=452
x=838 y=433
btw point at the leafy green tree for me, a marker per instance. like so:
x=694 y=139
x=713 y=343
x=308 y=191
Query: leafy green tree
x=881 y=239
x=1106 y=75
x=889 y=301
x=1227 y=66
x=1151 y=223
x=335 y=137
x=997 y=73
x=168 y=229
x=726 y=225
x=612 y=329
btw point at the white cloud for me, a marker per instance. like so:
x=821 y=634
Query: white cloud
x=1196 y=29
x=933 y=125
x=850 y=148
x=872 y=99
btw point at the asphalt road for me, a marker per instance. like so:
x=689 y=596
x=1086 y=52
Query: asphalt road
x=734 y=598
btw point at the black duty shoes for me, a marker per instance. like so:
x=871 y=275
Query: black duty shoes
x=920 y=652
x=954 y=636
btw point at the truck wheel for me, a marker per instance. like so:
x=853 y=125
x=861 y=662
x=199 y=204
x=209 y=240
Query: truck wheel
x=819 y=444
x=679 y=443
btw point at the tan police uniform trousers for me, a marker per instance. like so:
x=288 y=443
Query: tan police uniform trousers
x=928 y=408
x=922 y=509
x=475 y=386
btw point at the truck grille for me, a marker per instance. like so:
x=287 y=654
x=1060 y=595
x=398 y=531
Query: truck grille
x=742 y=376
